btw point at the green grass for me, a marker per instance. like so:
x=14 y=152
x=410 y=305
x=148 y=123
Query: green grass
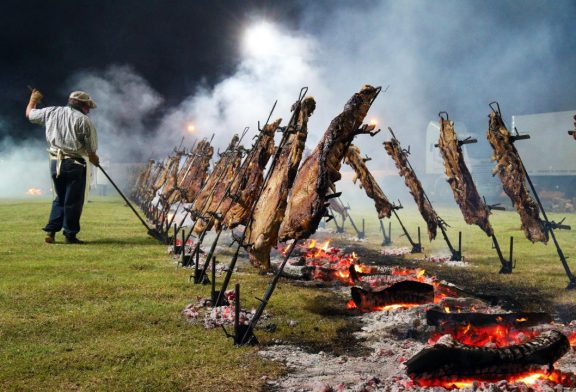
x=539 y=279
x=106 y=315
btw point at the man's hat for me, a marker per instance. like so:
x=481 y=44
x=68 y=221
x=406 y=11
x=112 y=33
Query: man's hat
x=83 y=97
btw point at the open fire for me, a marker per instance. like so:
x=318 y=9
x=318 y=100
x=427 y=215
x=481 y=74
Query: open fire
x=376 y=288
x=34 y=192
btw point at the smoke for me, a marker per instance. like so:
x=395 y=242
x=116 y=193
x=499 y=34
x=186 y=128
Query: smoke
x=275 y=65
x=22 y=169
x=454 y=56
x=126 y=105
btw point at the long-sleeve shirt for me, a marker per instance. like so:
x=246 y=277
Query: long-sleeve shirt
x=67 y=129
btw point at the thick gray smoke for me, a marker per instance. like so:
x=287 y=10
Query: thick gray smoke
x=454 y=56
x=126 y=103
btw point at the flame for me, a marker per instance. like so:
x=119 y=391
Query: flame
x=374 y=122
x=325 y=246
x=395 y=306
x=572 y=339
x=34 y=192
x=489 y=335
x=528 y=378
x=190 y=127
x=312 y=244
x=446 y=309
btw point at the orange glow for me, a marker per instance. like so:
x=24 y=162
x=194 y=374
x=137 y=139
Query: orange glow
x=572 y=338
x=446 y=309
x=374 y=122
x=34 y=192
x=528 y=378
x=351 y=304
x=493 y=335
x=190 y=127
x=395 y=307
x=312 y=244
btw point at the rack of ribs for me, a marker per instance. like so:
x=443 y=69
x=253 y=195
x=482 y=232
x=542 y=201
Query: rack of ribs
x=262 y=231
x=473 y=208
x=321 y=169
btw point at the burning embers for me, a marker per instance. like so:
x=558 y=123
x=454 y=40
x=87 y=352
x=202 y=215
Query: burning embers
x=473 y=347
x=452 y=364
x=472 y=344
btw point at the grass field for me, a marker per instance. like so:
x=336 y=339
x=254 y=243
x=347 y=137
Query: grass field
x=106 y=315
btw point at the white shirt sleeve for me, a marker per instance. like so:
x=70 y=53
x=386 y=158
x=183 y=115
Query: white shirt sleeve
x=91 y=137
x=38 y=116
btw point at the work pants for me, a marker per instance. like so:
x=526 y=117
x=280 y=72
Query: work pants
x=69 y=187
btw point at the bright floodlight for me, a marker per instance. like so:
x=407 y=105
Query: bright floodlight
x=260 y=39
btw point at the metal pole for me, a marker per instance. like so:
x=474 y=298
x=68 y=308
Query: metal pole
x=248 y=336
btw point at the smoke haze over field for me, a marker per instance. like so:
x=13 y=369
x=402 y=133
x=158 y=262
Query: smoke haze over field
x=449 y=55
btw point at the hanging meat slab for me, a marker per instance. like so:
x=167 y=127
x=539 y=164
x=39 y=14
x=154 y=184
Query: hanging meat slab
x=321 y=169
x=393 y=149
x=262 y=231
x=465 y=193
x=510 y=170
x=238 y=205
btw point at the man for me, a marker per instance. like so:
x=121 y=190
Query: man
x=71 y=136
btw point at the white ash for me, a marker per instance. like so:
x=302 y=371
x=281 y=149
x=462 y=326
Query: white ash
x=443 y=260
x=391 y=337
x=395 y=251
x=356 y=239
x=212 y=317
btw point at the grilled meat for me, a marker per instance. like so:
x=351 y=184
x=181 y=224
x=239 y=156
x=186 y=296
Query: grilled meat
x=215 y=186
x=262 y=231
x=320 y=170
x=193 y=173
x=510 y=170
x=471 y=204
x=236 y=208
x=426 y=210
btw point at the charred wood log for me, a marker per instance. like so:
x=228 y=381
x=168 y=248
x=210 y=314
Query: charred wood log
x=405 y=292
x=405 y=170
x=437 y=317
x=509 y=169
x=449 y=360
x=320 y=170
x=262 y=232
x=473 y=208
x=368 y=182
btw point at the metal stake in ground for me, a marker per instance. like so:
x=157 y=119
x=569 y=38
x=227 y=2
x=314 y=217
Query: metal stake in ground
x=550 y=225
x=151 y=232
x=277 y=154
x=248 y=336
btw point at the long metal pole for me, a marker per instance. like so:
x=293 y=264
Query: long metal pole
x=151 y=232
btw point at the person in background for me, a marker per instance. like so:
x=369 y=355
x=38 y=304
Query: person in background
x=72 y=138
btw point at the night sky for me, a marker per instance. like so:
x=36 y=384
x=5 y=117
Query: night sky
x=456 y=55
x=173 y=44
